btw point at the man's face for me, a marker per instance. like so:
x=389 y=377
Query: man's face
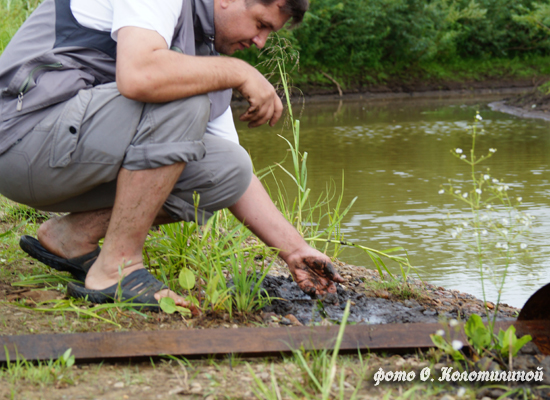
x=239 y=26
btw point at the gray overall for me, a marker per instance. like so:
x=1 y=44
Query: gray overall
x=65 y=130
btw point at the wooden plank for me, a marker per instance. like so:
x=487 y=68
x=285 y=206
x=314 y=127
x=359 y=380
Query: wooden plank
x=200 y=343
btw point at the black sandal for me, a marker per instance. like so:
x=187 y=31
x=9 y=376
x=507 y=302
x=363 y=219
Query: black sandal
x=138 y=289
x=77 y=266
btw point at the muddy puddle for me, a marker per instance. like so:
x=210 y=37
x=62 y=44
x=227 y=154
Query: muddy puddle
x=289 y=299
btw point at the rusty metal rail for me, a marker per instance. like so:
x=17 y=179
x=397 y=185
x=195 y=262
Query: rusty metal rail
x=243 y=341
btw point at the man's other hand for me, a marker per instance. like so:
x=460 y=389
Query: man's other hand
x=265 y=104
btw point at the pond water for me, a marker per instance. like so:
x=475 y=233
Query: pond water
x=395 y=155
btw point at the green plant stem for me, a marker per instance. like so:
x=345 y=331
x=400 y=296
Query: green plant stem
x=475 y=213
x=402 y=261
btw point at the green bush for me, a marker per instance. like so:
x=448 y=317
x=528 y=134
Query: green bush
x=367 y=40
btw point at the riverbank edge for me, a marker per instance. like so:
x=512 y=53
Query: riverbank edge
x=314 y=98
x=501 y=106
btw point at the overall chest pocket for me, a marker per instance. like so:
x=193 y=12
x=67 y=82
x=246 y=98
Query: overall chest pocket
x=41 y=82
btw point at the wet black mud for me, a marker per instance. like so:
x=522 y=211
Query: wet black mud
x=289 y=299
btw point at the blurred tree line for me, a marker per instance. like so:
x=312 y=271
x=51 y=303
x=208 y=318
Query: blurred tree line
x=349 y=37
x=370 y=41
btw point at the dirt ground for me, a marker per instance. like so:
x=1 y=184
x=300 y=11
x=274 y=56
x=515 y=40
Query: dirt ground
x=225 y=378
x=209 y=380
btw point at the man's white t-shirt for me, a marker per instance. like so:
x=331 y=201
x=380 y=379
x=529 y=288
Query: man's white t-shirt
x=160 y=16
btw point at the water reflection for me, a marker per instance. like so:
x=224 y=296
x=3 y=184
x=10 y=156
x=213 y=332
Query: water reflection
x=395 y=156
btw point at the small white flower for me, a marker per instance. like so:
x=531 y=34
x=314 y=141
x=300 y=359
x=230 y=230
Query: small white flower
x=486 y=177
x=530 y=276
x=493 y=150
x=504 y=221
x=478 y=117
x=505 y=232
x=495 y=180
x=498 y=245
x=465 y=194
x=484 y=232
x=462 y=391
x=458 y=151
x=523 y=246
x=479 y=191
x=453 y=323
x=505 y=246
x=440 y=332
x=457 y=344
x=506 y=187
x=500 y=188
x=489 y=206
x=463 y=157
x=441 y=191
x=519 y=199
x=454 y=234
x=465 y=224
x=457 y=191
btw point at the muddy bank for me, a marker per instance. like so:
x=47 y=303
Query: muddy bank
x=374 y=301
x=533 y=104
x=364 y=310
x=372 y=304
x=523 y=112
x=400 y=90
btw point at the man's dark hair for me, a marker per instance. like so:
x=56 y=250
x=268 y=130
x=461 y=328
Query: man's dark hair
x=294 y=8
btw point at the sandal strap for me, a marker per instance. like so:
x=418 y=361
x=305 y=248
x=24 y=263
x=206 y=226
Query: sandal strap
x=140 y=287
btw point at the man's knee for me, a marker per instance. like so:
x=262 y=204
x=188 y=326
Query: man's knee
x=227 y=177
x=169 y=133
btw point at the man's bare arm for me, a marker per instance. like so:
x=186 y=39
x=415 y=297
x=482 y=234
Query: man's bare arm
x=311 y=269
x=148 y=71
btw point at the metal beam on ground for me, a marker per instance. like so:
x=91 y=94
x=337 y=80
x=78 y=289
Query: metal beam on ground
x=244 y=341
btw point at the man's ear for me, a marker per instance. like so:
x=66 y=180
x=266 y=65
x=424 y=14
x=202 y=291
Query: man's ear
x=226 y=3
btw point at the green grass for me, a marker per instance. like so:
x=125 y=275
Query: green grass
x=317 y=375
x=12 y=14
x=492 y=68
x=39 y=373
x=399 y=289
x=453 y=71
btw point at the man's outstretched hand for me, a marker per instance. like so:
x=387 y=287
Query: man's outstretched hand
x=314 y=273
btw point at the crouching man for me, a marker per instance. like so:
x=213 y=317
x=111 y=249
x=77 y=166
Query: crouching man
x=117 y=111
